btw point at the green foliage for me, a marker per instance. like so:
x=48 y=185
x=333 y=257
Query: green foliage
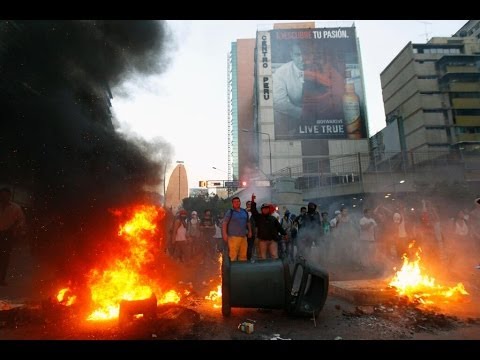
x=202 y=203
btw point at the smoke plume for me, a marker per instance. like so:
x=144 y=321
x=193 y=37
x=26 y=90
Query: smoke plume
x=57 y=139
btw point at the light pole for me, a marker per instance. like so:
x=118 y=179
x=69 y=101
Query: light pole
x=179 y=200
x=215 y=168
x=269 y=145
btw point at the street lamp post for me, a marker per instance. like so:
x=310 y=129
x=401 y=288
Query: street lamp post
x=269 y=145
x=179 y=183
x=215 y=168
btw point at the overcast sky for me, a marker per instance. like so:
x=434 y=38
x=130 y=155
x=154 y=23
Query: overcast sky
x=186 y=106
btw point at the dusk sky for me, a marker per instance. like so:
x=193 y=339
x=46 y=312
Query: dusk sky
x=187 y=104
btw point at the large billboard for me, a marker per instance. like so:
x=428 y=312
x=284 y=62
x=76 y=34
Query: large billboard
x=316 y=85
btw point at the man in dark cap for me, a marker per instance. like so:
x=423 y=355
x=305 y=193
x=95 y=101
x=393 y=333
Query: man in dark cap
x=309 y=230
x=268 y=229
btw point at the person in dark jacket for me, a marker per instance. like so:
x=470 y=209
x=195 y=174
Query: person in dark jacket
x=309 y=230
x=268 y=229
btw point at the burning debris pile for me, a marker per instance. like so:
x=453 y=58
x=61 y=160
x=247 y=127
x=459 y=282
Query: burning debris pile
x=127 y=288
x=408 y=302
x=413 y=282
x=128 y=276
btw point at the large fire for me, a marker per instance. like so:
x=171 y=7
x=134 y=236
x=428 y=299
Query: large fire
x=410 y=281
x=126 y=272
x=124 y=277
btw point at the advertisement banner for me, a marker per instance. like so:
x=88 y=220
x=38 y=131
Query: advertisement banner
x=264 y=70
x=317 y=89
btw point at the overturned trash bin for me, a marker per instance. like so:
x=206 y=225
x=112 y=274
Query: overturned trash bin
x=309 y=289
x=267 y=284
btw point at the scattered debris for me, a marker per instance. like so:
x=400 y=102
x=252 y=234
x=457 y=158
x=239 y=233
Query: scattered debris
x=246 y=327
x=338 y=338
x=277 y=337
x=365 y=309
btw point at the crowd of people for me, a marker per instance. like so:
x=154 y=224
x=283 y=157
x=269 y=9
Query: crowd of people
x=371 y=240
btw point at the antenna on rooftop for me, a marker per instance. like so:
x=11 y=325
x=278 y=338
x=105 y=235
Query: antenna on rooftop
x=426 y=33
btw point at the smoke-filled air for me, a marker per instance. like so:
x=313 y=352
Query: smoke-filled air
x=58 y=140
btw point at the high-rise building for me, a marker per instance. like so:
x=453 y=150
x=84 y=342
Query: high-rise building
x=431 y=95
x=309 y=99
x=471 y=28
x=240 y=106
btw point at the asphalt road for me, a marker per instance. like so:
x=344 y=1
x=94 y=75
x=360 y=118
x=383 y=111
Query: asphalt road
x=194 y=318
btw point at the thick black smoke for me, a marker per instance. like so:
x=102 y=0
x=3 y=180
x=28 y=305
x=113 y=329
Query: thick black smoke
x=57 y=139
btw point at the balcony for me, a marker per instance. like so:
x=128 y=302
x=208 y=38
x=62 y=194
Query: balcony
x=468 y=137
x=466 y=103
x=461 y=69
x=464 y=87
x=466 y=120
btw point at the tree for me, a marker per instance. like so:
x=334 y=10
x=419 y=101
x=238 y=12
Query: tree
x=202 y=203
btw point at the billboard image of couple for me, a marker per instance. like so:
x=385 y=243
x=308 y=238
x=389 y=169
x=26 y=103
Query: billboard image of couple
x=317 y=84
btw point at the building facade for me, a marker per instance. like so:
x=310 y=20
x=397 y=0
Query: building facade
x=431 y=96
x=309 y=99
x=471 y=28
x=177 y=188
x=240 y=107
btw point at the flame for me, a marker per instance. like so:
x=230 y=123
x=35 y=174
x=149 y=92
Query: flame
x=64 y=297
x=216 y=295
x=170 y=296
x=419 y=287
x=125 y=278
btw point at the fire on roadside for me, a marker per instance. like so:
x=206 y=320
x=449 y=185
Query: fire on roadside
x=65 y=297
x=125 y=275
x=215 y=295
x=413 y=282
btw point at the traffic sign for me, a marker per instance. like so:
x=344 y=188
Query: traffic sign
x=215 y=183
x=231 y=184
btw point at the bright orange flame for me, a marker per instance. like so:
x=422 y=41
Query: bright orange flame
x=64 y=297
x=410 y=281
x=216 y=295
x=170 y=296
x=124 y=279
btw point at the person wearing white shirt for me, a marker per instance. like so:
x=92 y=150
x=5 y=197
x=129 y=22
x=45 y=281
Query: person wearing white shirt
x=368 y=248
